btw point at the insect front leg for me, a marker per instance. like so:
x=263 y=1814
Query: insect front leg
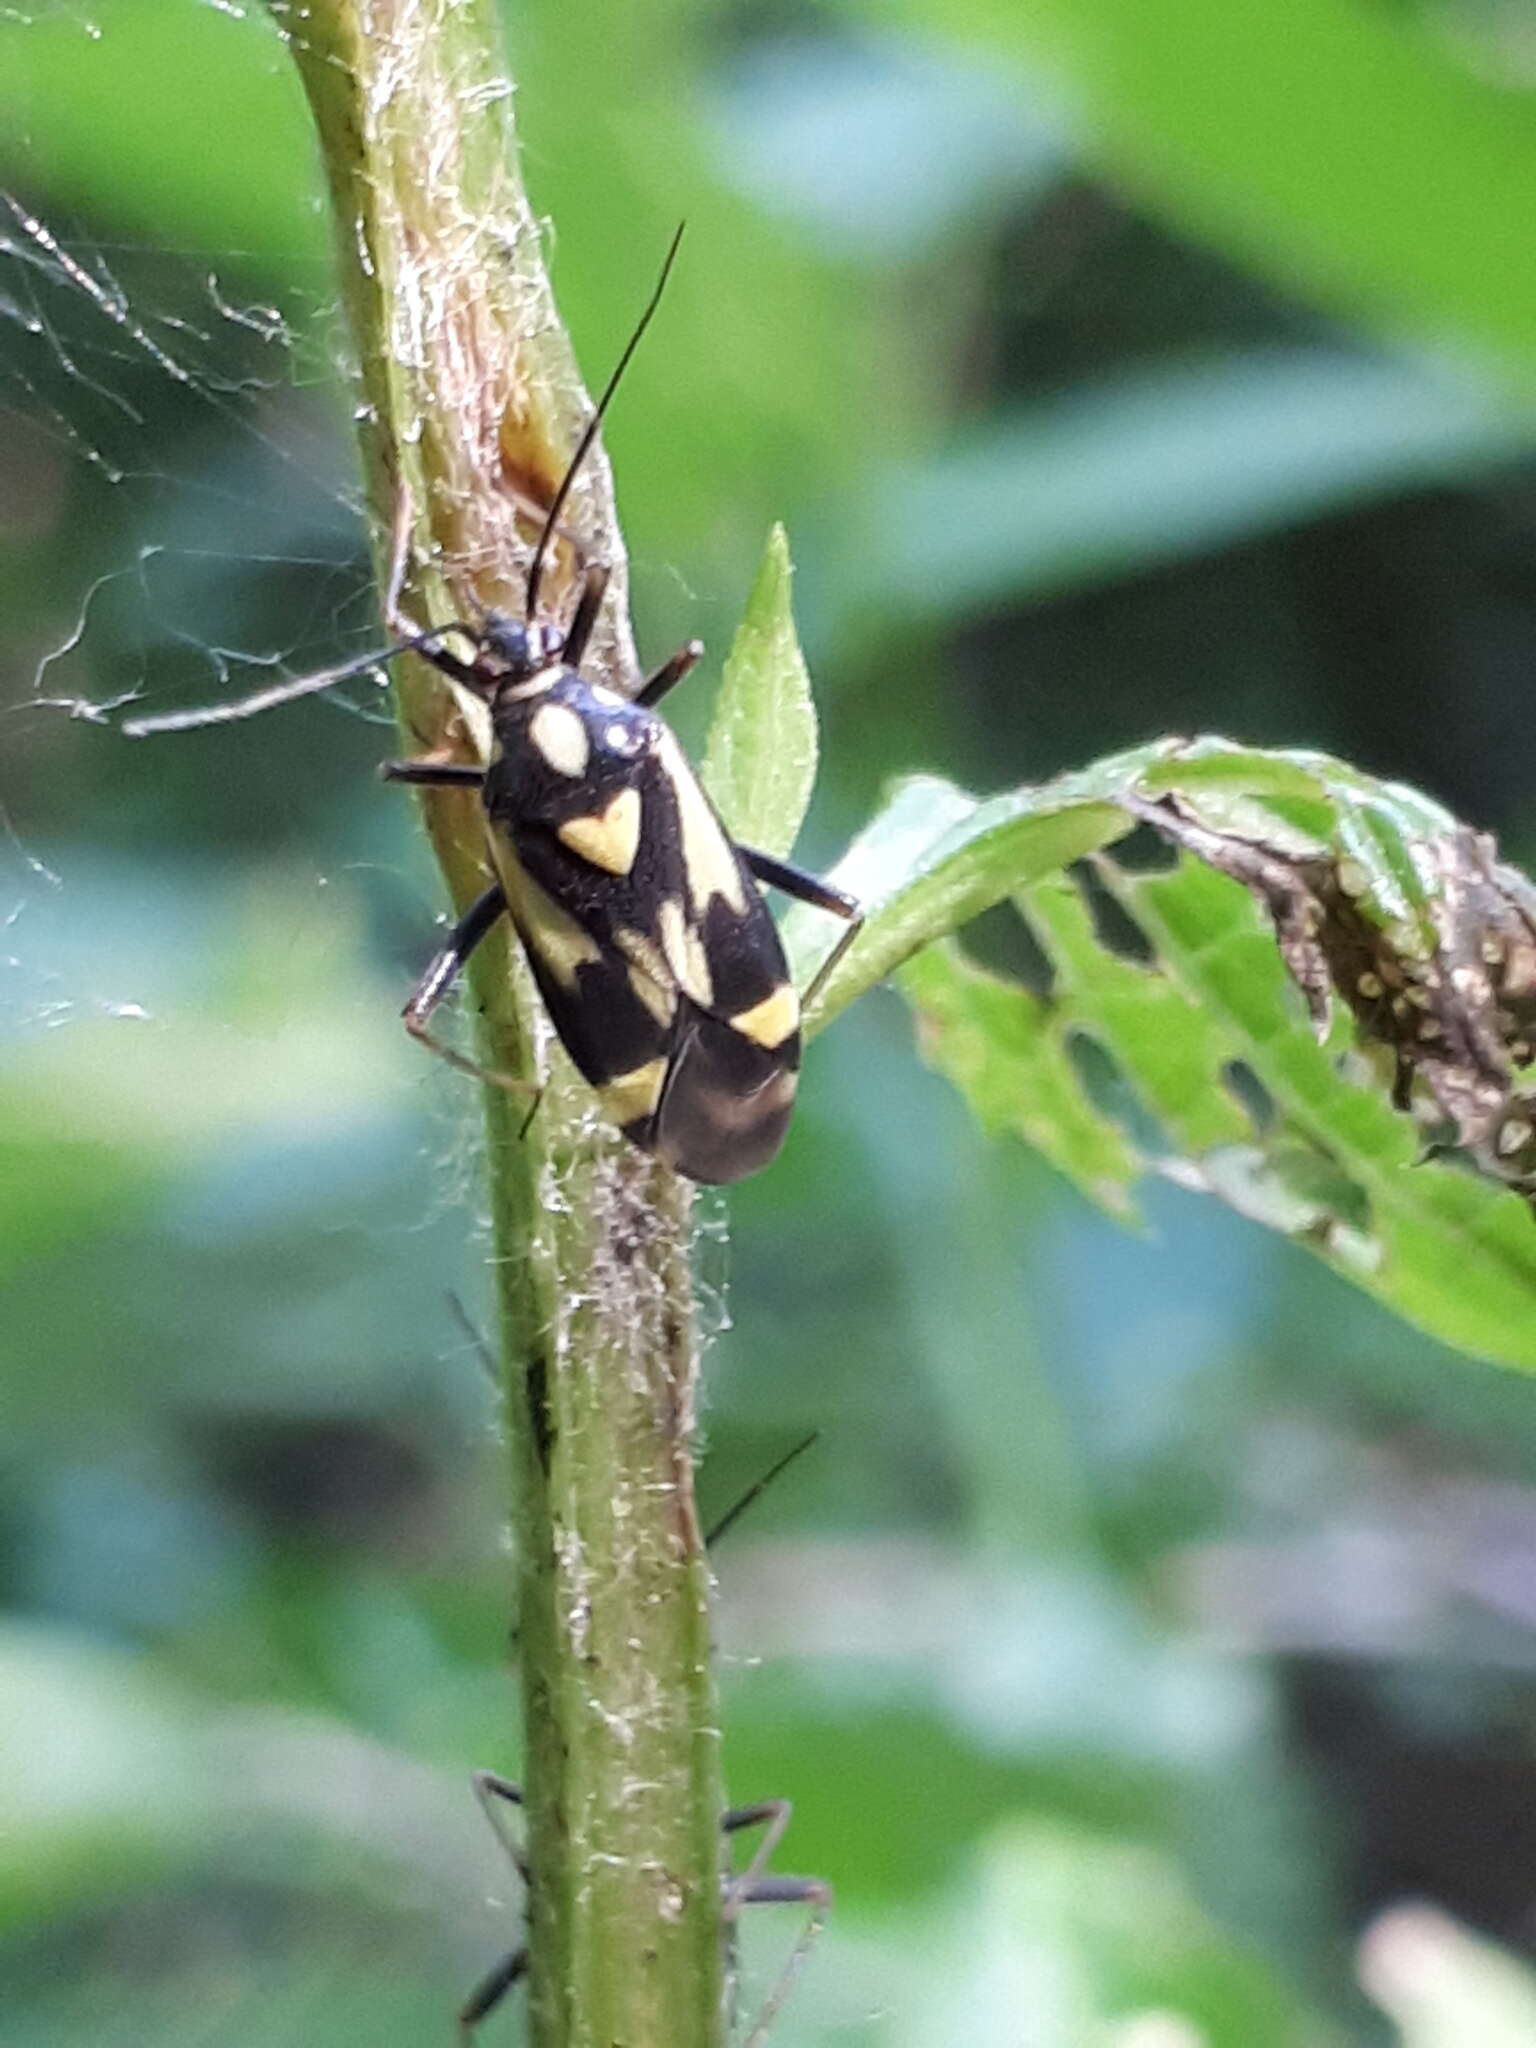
x=594 y=586
x=656 y=686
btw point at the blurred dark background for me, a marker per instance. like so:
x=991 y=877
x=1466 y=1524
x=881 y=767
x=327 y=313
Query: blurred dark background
x=1154 y=1617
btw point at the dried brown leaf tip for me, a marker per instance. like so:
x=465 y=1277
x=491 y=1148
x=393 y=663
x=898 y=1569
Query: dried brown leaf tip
x=1443 y=982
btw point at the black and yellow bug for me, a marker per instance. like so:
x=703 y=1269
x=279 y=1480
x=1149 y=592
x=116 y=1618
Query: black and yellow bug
x=643 y=920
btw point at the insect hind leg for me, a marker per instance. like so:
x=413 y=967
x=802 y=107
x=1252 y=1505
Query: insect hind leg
x=490 y=1991
x=495 y=1793
x=751 y=1887
x=442 y=973
x=820 y=895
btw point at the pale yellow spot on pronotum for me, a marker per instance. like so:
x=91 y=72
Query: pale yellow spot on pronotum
x=628 y=1097
x=610 y=838
x=769 y=1022
x=561 y=738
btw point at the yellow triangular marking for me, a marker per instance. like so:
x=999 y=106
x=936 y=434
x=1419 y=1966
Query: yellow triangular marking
x=770 y=1022
x=609 y=839
x=629 y=1097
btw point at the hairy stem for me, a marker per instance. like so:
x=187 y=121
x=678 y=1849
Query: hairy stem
x=470 y=403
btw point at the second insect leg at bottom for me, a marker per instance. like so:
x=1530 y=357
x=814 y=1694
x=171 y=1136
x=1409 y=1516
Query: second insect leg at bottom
x=750 y=1887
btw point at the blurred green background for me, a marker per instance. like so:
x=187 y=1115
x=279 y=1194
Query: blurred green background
x=1154 y=1616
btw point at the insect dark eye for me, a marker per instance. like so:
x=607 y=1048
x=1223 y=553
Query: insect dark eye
x=523 y=646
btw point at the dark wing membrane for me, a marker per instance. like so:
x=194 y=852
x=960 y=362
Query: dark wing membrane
x=726 y=1104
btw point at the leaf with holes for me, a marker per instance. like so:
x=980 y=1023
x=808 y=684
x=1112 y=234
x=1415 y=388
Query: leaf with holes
x=1222 y=1078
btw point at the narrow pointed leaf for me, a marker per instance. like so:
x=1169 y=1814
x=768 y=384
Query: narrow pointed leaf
x=760 y=763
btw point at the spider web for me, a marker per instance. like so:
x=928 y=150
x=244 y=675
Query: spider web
x=181 y=522
x=90 y=370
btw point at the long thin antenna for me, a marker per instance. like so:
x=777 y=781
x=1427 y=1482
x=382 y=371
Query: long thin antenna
x=285 y=692
x=589 y=432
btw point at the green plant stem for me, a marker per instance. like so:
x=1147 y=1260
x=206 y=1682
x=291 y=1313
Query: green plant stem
x=470 y=403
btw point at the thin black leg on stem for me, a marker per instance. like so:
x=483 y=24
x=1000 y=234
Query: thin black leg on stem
x=656 y=686
x=749 y=1888
x=491 y=1787
x=752 y=1888
x=491 y=1990
x=443 y=970
x=788 y=1891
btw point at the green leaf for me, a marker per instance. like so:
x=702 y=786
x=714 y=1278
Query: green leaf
x=199 y=103
x=760 y=763
x=1337 y=148
x=1228 y=1089
x=1152 y=467
x=935 y=858
x=1452 y=1253
x=997 y=1044
x=1166 y=1045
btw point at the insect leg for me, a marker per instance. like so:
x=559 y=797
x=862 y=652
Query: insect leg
x=805 y=888
x=490 y=1786
x=773 y=1817
x=656 y=686
x=433 y=774
x=754 y=1492
x=752 y=1888
x=783 y=874
x=496 y=1983
x=594 y=583
x=443 y=970
x=491 y=1990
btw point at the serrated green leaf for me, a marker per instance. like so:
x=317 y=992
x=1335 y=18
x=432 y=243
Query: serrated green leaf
x=1328 y=1159
x=760 y=763
x=1168 y=1048
x=936 y=858
x=997 y=1043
